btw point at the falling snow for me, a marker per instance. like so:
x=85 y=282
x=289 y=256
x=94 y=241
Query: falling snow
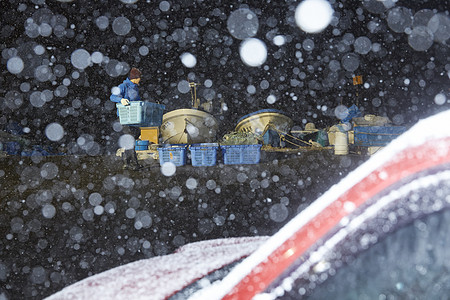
x=70 y=210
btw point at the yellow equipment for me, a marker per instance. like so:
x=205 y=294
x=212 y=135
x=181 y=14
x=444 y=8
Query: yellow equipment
x=150 y=134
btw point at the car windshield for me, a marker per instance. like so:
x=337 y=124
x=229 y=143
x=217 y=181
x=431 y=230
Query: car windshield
x=398 y=250
x=131 y=128
x=419 y=270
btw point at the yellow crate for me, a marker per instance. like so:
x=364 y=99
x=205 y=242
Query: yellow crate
x=150 y=134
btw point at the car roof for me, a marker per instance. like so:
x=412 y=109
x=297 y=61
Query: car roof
x=161 y=276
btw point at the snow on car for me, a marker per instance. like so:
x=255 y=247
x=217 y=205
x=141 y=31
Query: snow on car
x=159 y=277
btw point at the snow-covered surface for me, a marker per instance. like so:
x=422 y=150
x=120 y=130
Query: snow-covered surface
x=427 y=130
x=159 y=277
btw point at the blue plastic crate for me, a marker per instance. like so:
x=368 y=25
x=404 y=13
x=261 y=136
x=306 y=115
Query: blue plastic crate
x=12 y=148
x=140 y=113
x=271 y=137
x=376 y=135
x=141 y=145
x=204 y=154
x=175 y=154
x=241 y=154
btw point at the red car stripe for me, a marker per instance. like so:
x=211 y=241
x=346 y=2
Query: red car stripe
x=405 y=163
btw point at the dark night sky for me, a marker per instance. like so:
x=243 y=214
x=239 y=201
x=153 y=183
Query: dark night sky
x=401 y=83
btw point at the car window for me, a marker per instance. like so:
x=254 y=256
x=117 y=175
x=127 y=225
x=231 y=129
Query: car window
x=204 y=281
x=410 y=261
x=398 y=251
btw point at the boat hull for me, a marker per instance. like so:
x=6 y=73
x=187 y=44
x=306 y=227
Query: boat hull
x=258 y=121
x=188 y=126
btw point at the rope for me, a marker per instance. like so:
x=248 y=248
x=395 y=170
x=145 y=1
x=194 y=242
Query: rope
x=269 y=125
x=372 y=133
x=181 y=136
x=182 y=133
x=173 y=137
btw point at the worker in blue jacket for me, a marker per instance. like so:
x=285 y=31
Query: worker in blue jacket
x=126 y=92
x=128 y=89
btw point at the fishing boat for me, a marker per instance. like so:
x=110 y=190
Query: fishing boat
x=260 y=120
x=270 y=124
x=189 y=125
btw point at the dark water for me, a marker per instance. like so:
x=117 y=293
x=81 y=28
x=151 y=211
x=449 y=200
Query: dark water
x=63 y=218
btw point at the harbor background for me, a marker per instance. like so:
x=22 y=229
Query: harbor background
x=64 y=218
